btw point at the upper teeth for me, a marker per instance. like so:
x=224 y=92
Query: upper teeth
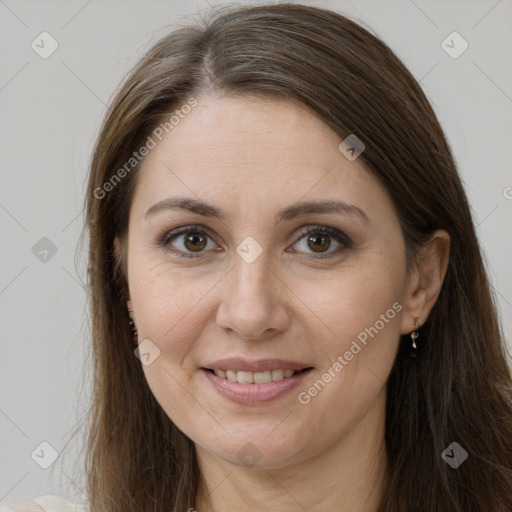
x=254 y=377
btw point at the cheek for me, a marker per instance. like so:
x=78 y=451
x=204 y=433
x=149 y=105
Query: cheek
x=172 y=308
x=170 y=303
x=353 y=300
x=360 y=313
x=363 y=310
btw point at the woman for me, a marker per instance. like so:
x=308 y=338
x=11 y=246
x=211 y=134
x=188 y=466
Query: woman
x=289 y=305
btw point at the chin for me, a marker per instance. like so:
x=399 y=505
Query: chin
x=259 y=449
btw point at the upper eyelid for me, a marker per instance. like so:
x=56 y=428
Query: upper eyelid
x=301 y=230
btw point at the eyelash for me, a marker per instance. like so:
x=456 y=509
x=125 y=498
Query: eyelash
x=338 y=236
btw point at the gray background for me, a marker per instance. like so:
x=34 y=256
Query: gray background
x=50 y=114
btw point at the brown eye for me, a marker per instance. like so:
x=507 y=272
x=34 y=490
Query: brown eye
x=187 y=242
x=318 y=242
x=319 y=239
x=195 y=241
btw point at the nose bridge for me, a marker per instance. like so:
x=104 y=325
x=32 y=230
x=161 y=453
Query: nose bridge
x=251 y=276
x=250 y=303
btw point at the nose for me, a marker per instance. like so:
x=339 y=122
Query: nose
x=253 y=300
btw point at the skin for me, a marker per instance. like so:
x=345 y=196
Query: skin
x=252 y=157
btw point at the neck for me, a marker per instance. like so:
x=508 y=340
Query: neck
x=349 y=476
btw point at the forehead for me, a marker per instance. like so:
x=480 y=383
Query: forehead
x=232 y=128
x=252 y=151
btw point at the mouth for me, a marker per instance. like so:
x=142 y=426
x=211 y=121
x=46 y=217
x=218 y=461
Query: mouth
x=257 y=382
x=262 y=377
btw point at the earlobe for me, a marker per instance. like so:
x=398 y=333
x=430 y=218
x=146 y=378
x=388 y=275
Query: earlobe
x=427 y=280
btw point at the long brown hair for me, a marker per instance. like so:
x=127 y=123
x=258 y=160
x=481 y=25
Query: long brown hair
x=458 y=390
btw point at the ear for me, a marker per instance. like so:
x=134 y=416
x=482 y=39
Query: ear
x=426 y=280
x=117 y=253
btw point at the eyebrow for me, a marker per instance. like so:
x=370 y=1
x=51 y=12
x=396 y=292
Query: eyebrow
x=290 y=212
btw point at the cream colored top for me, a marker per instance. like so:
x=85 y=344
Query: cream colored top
x=46 y=503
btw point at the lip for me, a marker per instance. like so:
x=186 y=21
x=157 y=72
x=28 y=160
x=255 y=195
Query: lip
x=254 y=394
x=261 y=365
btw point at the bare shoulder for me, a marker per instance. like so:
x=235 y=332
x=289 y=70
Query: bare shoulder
x=46 y=503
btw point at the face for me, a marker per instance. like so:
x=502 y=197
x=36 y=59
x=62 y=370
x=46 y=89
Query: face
x=231 y=298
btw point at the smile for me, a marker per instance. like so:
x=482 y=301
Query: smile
x=245 y=377
x=255 y=388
